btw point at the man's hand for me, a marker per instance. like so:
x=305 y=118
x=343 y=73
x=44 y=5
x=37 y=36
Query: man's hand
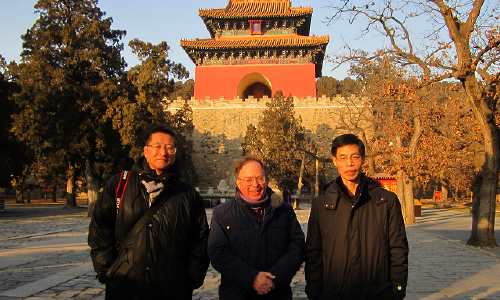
x=263 y=283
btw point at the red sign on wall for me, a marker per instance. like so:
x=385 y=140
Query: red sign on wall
x=388 y=182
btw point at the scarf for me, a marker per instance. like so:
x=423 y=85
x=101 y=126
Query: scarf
x=258 y=207
x=154 y=189
x=142 y=168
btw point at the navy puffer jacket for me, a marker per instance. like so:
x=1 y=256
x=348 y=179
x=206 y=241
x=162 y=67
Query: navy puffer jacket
x=239 y=247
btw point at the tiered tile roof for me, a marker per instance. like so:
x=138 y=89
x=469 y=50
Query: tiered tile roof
x=255 y=42
x=284 y=30
x=256 y=8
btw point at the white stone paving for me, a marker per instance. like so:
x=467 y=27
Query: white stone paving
x=44 y=257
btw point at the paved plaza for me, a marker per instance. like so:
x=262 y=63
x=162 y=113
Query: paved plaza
x=44 y=255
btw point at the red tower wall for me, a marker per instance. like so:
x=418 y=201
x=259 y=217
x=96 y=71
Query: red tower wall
x=223 y=81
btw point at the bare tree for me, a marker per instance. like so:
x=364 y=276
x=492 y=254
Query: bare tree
x=463 y=44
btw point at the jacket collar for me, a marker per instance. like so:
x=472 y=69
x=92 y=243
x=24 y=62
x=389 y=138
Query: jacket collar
x=275 y=202
x=142 y=168
x=373 y=187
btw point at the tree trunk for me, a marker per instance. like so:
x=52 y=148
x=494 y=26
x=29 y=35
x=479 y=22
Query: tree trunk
x=20 y=190
x=405 y=184
x=408 y=204
x=405 y=195
x=444 y=189
x=316 y=186
x=71 y=189
x=302 y=167
x=369 y=158
x=483 y=208
x=409 y=208
x=424 y=190
x=371 y=165
x=444 y=194
x=54 y=193
x=484 y=204
x=18 y=197
x=296 y=203
x=92 y=187
x=401 y=188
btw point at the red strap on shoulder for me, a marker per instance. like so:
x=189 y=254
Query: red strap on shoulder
x=122 y=185
x=119 y=185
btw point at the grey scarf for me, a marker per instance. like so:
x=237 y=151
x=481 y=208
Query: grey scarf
x=154 y=189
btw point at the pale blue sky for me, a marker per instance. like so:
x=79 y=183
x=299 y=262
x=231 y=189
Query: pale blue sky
x=165 y=20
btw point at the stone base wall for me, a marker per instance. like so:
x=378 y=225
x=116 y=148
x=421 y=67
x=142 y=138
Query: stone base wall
x=220 y=127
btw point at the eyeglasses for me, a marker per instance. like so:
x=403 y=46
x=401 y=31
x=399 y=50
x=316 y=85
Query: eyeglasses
x=354 y=158
x=169 y=149
x=250 y=180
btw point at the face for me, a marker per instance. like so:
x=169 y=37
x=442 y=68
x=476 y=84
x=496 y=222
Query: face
x=349 y=162
x=255 y=191
x=159 y=159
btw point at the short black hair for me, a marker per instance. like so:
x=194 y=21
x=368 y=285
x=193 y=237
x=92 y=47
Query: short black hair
x=347 y=139
x=161 y=129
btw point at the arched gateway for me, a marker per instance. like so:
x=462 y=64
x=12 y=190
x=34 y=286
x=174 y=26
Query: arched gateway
x=257 y=48
x=256 y=85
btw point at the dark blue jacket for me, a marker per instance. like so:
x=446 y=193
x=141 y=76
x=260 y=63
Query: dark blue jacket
x=239 y=247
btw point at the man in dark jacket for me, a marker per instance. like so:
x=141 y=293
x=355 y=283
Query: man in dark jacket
x=356 y=240
x=167 y=256
x=255 y=241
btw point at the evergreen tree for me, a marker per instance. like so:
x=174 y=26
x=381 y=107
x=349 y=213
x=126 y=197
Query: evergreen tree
x=327 y=86
x=69 y=75
x=147 y=85
x=184 y=90
x=144 y=103
x=278 y=139
x=12 y=152
x=182 y=122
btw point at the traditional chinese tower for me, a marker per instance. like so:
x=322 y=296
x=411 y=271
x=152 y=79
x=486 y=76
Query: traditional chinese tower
x=257 y=48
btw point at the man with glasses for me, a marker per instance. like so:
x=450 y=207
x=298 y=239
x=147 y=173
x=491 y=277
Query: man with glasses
x=255 y=241
x=356 y=240
x=148 y=234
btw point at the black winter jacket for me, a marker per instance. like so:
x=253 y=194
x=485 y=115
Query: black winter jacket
x=356 y=251
x=168 y=257
x=239 y=247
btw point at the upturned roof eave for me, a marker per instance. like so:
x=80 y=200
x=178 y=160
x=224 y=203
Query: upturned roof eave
x=318 y=63
x=321 y=41
x=254 y=16
x=222 y=14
